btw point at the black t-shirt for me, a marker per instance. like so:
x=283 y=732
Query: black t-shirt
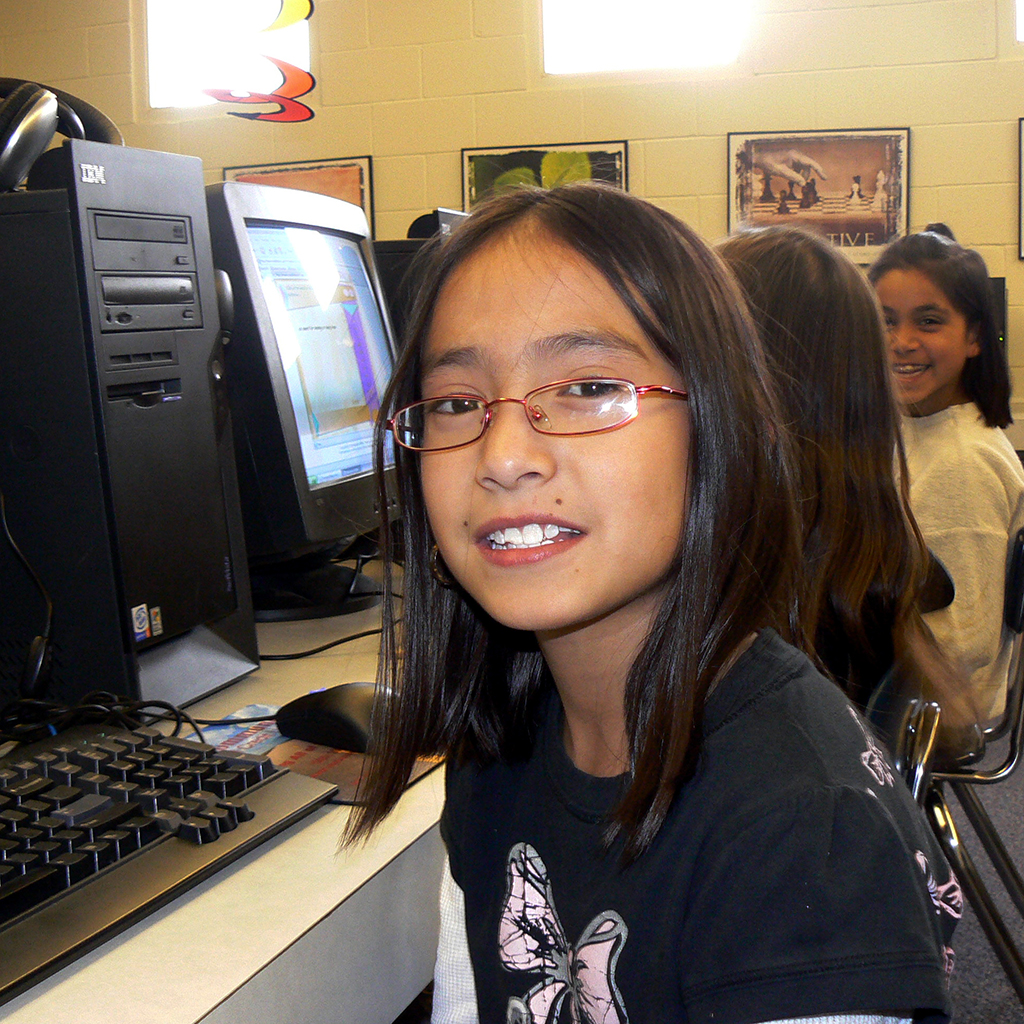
x=794 y=875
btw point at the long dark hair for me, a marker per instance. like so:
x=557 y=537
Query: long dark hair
x=464 y=686
x=825 y=342
x=961 y=275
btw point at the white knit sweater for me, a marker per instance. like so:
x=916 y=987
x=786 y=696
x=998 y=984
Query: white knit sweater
x=967 y=493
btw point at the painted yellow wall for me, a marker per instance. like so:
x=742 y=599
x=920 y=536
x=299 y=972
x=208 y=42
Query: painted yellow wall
x=412 y=82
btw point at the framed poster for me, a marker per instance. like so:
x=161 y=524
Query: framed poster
x=1020 y=189
x=486 y=172
x=349 y=178
x=850 y=184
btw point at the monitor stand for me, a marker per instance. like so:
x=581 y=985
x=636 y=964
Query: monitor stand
x=313 y=586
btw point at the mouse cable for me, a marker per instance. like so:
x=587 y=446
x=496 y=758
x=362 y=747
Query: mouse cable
x=322 y=647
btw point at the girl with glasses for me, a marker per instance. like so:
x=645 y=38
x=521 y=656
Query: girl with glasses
x=657 y=809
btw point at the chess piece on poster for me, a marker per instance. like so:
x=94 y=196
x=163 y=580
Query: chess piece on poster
x=881 y=196
x=809 y=195
x=783 y=206
x=855 y=192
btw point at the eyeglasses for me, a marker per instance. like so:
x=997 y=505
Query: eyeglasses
x=563 y=409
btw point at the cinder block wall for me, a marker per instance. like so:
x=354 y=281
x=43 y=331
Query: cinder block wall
x=412 y=82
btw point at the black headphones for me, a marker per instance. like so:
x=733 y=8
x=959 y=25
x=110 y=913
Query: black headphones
x=31 y=114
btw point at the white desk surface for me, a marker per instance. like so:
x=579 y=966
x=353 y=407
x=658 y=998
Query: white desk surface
x=294 y=930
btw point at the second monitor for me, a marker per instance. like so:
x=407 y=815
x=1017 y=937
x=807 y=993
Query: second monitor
x=311 y=353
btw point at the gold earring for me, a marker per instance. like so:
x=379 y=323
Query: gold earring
x=439 y=570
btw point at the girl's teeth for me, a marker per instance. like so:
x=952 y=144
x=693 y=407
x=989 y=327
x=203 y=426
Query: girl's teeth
x=532 y=535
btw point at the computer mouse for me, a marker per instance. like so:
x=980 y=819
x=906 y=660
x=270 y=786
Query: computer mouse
x=337 y=717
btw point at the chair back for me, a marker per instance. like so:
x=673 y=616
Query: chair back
x=1012 y=719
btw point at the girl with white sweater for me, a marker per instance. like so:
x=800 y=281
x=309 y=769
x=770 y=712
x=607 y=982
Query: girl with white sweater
x=966 y=481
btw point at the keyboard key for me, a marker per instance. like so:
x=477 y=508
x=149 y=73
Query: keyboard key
x=27 y=788
x=47 y=849
x=92 y=782
x=91 y=759
x=238 y=809
x=187 y=747
x=254 y=767
x=122 y=842
x=142 y=830
x=65 y=772
x=73 y=867
x=152 y=800
x=199 y=830
x=48 y=824
x=110 y=747
x=131 y=741
x=12 y=819
x=122 y=792
x=224 y=819
x=225 y=784
x=84 y=807
x=101 y=853
x=34 y=808
x=180 y=785
x=7 y=847
x=25 y=837
x=122 y=771
x=60 y=795
x=44 y=760
x=109 y=817
x=169 y=821
x=69 y=838
x=24 y=860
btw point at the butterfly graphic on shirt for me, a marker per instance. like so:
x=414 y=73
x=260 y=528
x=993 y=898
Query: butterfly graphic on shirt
x=873 y=757
x=578 y=981
x=947 y=898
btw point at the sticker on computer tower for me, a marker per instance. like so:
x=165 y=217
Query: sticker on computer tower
x=140 y=622
x=156 y=620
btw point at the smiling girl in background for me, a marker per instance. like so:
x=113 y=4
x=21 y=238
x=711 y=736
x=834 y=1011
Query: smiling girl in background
x=966 y=481
x=657 y=809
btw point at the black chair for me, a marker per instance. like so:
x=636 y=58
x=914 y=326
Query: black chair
x=915 y=756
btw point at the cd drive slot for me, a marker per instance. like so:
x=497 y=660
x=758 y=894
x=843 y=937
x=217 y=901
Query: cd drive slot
x=147 y=291
x=146 y=392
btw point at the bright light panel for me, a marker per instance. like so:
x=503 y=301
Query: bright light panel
x=601 y=35
x=217 y=44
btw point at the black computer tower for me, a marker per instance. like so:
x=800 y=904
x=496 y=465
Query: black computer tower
x=116 y=459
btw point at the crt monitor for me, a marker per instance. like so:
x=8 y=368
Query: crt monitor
x=310 y=354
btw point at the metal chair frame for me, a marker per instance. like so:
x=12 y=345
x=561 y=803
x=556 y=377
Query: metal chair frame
x=914 y=755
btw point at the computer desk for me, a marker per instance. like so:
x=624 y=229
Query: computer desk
x=295 y=931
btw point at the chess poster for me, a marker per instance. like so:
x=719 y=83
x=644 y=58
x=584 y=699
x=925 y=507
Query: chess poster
x=850 y=185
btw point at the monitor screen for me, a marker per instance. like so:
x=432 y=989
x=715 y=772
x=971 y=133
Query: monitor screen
x=310 y=355
x=334 y=348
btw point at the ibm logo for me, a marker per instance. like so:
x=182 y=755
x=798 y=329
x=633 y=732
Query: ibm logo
x=94 y=174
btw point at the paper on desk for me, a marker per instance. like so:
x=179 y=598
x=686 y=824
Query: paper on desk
x=254 y=737
x=340 y=767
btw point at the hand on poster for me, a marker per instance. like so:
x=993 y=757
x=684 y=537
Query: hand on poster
x=790 y=164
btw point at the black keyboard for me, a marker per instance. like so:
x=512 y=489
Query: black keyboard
x=101 y=826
